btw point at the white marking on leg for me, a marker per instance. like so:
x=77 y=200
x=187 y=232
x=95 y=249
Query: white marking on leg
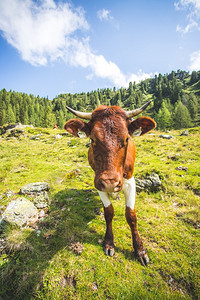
x=104 y=198
x=129 y=190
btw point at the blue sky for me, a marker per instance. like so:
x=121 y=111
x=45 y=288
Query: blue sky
x=50 y=47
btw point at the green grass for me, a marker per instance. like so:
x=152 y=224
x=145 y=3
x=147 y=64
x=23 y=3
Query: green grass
x=38 y=264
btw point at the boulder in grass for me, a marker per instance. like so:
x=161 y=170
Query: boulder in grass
x=151 y=183
x=20 y=212
x=34 y=188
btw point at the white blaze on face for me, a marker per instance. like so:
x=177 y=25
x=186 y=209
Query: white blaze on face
x=129 y=190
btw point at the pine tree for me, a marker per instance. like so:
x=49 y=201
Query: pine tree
x=164 y=117
x=119 y=101
x=97 y=100
x=193 y=107
x=194 y=77
x=60 y=119
x=2 y=112
x=31 y=115
x=10 y=117
x=130 y=88
x=182 y=117
x=50 y=118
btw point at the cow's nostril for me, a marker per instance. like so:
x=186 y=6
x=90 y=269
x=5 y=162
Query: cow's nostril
x=102 y=185
x=117 y=187
x=117 y=184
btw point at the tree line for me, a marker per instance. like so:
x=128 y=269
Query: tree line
x=176 y=102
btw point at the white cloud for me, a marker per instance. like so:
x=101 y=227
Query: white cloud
x=194 y=61
x=40 y=32
x=187 y=28
x=140 y=76
x=82 y=56
x=193 y=15
x=46 y=31
x=104 y=15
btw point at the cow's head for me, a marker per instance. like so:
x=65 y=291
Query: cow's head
x=112 y=152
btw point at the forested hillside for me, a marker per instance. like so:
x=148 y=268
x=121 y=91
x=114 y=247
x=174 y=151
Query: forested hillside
x=176 y=102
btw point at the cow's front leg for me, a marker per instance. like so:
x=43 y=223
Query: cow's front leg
x=129 y=192
x=108 y=214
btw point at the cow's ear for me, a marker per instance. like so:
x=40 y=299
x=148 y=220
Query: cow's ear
x=142 y=124
x=74 y=125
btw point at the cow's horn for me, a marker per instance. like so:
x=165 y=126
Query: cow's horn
x=137 y=111
x=82 y=115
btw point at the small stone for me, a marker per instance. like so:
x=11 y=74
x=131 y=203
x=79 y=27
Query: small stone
x=76 y=247
x=94 y=286
x=184 y=133
x=9 y=194
x=166 y=136
x=58 y=136
x=97 y=211
x=38 y=232
x=11 y=138
x=41 y=214
x=182 y=168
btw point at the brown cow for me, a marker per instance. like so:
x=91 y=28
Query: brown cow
x=112 y=155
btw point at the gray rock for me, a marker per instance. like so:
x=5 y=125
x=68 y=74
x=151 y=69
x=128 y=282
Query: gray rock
x=11 y=138
x=9 y=194
x=15 y=133
x=166 y=136
x=41 y=214
x=36 y=137
x=185 y=133
x=16 y=126
x=81 y=135
x=42 y=200
x=182 y=168
x=155 y=179
x=20 y=212
x=34 y=188
x=58 y=136
x=151 y=183
x=174 y=157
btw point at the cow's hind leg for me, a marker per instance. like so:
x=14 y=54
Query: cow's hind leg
x=108 y=214
x=129 y=193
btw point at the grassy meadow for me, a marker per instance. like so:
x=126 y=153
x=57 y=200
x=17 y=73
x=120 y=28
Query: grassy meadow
x=42 y=264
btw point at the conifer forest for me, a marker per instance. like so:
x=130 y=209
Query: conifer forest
x=175 y=105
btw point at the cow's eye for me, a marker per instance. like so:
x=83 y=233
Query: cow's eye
x=127 y=140
x=91 y=141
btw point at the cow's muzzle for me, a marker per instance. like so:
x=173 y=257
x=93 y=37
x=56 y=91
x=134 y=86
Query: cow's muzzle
x=108 y=185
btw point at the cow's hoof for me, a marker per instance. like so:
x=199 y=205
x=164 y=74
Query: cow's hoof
x=143 y=258
x=110 y=251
